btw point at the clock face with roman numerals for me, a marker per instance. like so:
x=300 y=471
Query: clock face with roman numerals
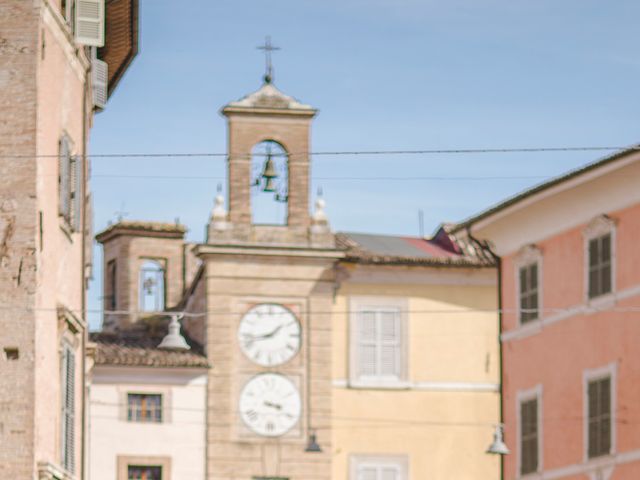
x=270 y=404
x=269 y=334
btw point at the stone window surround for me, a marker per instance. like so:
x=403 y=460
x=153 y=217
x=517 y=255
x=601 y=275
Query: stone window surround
x=528 y=255
x=523 y=396
x=124 y=461
x=599 y=226
x=356 y=303
x=610 y=371
x=163 y=391
x=379 y=459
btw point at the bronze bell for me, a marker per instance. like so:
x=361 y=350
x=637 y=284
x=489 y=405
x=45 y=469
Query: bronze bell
x=269 y=185
x=269 y=174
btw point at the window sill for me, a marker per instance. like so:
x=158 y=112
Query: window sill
x=601 y=302
x=379 y=384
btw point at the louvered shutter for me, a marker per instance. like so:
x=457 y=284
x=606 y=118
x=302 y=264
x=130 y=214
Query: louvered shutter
x=64 y=180
x=367 y=351
x=76 y=195
x=367 y=473
x=99 y=80
x=90 y=22
x=389 y=326
x=390 y=473
x=88 y=244
x=68 y=410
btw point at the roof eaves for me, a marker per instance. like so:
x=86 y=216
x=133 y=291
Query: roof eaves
x=542 y=187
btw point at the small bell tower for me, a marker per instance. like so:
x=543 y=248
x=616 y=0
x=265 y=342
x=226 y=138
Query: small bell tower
x=268 y=118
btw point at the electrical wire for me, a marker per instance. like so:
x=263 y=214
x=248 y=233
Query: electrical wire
x=186 y=314
x=352 y=152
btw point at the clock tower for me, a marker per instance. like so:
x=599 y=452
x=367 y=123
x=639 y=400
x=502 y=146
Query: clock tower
x=269 y=294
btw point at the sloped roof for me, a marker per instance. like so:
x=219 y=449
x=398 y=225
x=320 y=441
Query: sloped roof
x=440 y=250
x=131 y=227
x=137 y=346
x=269 y=97
x=121 y=38
x=545 y=186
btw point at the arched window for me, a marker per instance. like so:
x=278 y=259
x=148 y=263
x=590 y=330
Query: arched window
x=270 y=184
x=152 y=293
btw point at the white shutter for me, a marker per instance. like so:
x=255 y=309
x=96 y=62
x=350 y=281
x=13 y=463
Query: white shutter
x=390 y=472
x=390 y=343
x=90 y=22
x=367 y=335
x=64 y=178
x=100 y=81
x=76 y=197
x=367 y=473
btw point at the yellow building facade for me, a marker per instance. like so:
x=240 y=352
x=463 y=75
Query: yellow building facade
x=433 y=418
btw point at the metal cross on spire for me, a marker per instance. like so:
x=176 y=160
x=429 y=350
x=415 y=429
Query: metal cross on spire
x=268 y=48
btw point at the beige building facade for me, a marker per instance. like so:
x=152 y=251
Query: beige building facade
x=50 y=86
x=333 y=356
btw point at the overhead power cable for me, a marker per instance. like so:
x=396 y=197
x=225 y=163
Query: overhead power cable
x=549 y=311
x=443 y=151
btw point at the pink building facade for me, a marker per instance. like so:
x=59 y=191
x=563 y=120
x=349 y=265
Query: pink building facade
x=570 y=327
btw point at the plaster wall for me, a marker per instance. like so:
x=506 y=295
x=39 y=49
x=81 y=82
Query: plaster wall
x=556 y=351
x=112 y=436
x=441 y=420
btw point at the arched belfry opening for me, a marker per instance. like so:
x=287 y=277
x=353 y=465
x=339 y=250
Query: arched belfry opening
x=269 y=184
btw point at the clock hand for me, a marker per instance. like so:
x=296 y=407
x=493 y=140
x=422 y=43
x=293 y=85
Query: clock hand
x=273 y=405
x=266 y=335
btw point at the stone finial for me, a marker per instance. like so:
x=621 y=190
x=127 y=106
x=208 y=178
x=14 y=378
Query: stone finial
x=219 y=213
x=319 y=219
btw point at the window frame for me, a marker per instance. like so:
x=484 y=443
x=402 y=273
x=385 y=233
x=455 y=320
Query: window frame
x=378 y=460
x=125 y=461
x=164 y=392
x=526 y=257
x=359 y=304
x=150 y=420
x=535 y=393
x=608 y=371
x=597 y=228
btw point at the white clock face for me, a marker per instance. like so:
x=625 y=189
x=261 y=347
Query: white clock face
x=269 y=334
x=270 y=404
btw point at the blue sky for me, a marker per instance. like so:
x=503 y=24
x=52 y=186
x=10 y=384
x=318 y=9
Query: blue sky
x=385 y=75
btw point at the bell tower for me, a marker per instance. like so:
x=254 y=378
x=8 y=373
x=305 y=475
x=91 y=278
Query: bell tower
x=268 y=288
x=268 y=116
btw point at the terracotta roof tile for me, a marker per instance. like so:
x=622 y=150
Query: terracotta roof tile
x=137 y=345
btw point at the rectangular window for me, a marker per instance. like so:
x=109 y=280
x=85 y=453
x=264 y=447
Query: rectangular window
x=599 y=417
x=379 y=468
x=379 y=343
x=68 y=408
x=140 y=472
x=600 y=272
x=142 y=407
x=110 y=293
x=529 y=293
x=529 y=436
